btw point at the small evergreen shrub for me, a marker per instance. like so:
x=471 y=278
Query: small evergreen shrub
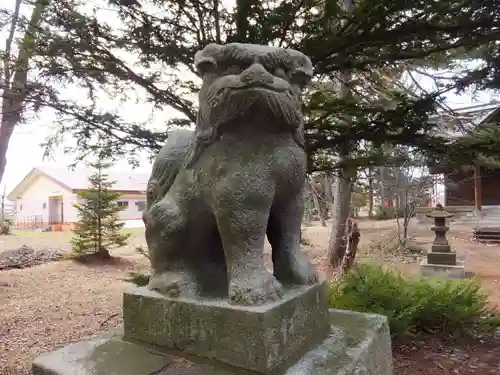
x=414 y=305
x=139 y=278
x=98 y=227
x=141 y=250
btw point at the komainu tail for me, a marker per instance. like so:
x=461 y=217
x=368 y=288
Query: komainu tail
x=167 y=164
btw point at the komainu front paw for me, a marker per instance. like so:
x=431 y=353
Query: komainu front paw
x=173 y=284
x=255 y=289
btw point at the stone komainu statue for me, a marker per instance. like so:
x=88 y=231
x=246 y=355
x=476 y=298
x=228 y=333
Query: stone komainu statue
x=216 y=192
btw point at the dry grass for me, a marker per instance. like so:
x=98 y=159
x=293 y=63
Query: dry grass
x=59 y=240
x=57 y=303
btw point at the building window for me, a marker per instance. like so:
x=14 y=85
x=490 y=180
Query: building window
x=122 y=204
x=44 y=206
x=20 y=207
x=141 y=205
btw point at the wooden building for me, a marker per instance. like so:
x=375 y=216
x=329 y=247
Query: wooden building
x=473 y=191
x=478 y=187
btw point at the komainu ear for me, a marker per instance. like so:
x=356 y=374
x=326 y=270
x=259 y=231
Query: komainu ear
x=205 y=60
x=207 y=66
x=202 y=140
x=204 y=136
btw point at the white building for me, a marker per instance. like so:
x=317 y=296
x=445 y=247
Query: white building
x=45 y=197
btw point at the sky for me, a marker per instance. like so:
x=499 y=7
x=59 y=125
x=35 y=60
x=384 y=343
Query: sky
x=25 y=150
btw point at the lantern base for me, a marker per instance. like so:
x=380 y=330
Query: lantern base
x=443 y=258
x=444 y=270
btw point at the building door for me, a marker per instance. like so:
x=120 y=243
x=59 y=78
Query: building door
x=62 y=212
x=55 y=210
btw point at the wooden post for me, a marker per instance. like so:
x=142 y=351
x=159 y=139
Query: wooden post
x=477 y=189
x=445 y=187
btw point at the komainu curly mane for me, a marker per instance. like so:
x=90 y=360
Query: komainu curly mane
x=221 y=68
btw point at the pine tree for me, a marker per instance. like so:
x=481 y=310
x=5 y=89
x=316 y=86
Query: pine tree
x=98 y=227
x=376 y=42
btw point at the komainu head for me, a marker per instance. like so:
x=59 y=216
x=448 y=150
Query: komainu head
x=246 y=86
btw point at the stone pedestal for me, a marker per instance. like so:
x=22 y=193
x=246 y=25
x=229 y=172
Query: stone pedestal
x=175 y=336
x=257 y=338
x=357 y=344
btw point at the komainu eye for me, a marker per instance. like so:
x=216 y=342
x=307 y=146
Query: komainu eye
x=300 y=78
x=206 y=67
x=232 y=70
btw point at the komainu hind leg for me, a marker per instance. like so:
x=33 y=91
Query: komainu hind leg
x=208 y=262
x=165 y=236
x=290 y=264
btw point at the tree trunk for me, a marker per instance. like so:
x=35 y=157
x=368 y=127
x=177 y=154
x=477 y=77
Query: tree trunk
x=103 y=253
x=14 y=93
x=337 y=244
x=2 y=215
x=352 y=236
x=370 y=193
x=100 y=247
x=342 y=198
x=317 y=206
x=383 y=193
x=328 y=194
x=243 y=10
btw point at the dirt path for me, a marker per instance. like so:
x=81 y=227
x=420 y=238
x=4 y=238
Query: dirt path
x=432 y=356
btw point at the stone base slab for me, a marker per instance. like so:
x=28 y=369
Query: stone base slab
x=257 y=338
x=358 y=344
x=446 y=258
x=437 y=248
x=442 y=270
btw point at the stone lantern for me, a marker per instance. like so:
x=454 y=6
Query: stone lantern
x=441 y=261
x=441 y=250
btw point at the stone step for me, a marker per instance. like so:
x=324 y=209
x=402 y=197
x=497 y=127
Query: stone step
x=356 y=343
x=490 y=234
x=489 y=208
x=480 y=220
x=495 y=221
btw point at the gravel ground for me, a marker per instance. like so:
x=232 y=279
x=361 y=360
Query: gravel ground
x=57 y=303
